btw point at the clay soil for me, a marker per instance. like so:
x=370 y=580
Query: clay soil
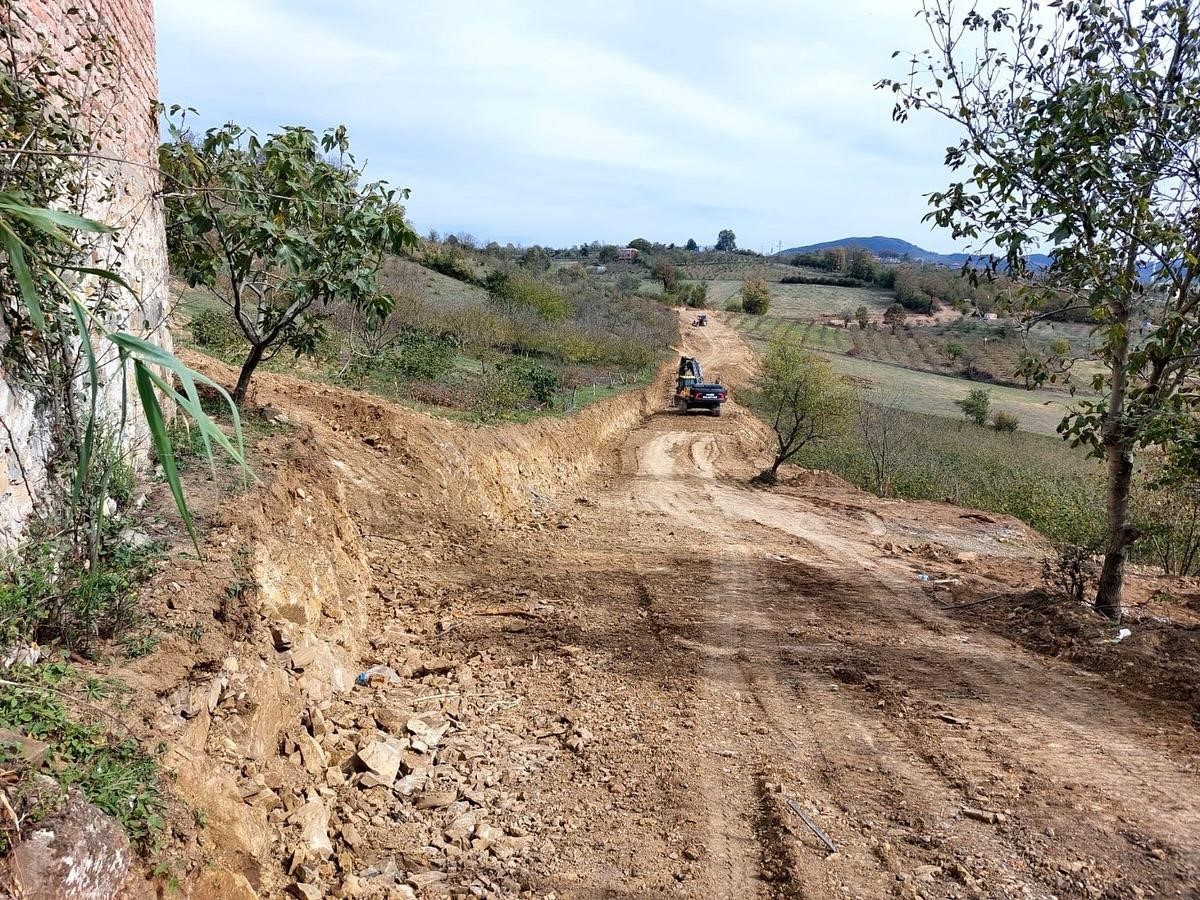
x=655 y=681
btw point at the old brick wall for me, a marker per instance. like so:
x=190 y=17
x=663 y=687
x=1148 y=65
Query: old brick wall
x=123 y=192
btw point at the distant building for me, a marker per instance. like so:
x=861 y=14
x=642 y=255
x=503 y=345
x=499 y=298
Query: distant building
x=627 y=253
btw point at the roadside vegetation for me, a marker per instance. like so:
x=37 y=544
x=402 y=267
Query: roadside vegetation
x=70 y=588
x=1030 y=103
x=517 y=340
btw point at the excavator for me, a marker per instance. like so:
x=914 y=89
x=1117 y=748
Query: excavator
x=693 y=392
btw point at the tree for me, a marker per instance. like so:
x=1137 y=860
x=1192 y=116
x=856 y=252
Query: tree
x=726 y=241
x=860 y=264
x=1081 y=130
x=278 y=233
x=834 y=259
x=607 y=253
x=887 y=434
x=694 y=294
x=691 y=246
x=863 y=316
x=953 y=350
x=756 y=296
x=665 y=271
x=894 y=315
x=846 y=314
x=535 y=258
x=975 y=406
x=801 y=398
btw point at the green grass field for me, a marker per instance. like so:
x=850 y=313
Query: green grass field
x=1038 y=479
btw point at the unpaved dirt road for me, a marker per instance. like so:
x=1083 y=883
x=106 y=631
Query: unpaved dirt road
x=733 y=655
x=645 y=687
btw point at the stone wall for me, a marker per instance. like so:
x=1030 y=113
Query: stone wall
x=123 y=192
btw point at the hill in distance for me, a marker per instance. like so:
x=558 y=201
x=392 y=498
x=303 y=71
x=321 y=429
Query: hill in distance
x=890 y=246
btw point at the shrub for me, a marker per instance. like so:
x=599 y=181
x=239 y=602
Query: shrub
x=734 y=305
x=694 y=295
x=420 y=355
x=1070 y=572
x=450 y=262
x=529 y=380
x=830 y=280
x=529 y=293
x=1005 y=422
x=976 y=406
x=47 y=596
x=215 y=329
x=756 y=296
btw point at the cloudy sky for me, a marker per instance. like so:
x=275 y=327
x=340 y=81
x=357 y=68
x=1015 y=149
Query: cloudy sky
x=560 y=122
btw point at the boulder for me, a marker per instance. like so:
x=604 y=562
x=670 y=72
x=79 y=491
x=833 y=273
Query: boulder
x=381 y=760
x=313 y=819
x=76 y=853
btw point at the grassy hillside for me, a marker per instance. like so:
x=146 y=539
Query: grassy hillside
x=535 y=340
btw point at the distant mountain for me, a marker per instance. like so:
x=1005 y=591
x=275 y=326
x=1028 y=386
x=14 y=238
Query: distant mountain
x=890 y=246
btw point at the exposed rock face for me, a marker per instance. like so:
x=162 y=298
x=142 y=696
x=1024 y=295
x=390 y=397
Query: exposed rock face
x=125 y=194
x=78 y=853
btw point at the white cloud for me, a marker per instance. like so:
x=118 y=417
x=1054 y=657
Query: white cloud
x=558 y=123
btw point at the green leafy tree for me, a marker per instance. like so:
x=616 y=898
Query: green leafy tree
x=976 y=406
x=1081 y=129
x=860 y=264
x=535 y=258
x=691 y=246
x=694 y=295
x=726 y=241
x=953 y=350
x=665 y=271
x=756 y=296
x=894 y=316
x=800 y=397
x=278 y=230
x=834 y=259
x=863 y=316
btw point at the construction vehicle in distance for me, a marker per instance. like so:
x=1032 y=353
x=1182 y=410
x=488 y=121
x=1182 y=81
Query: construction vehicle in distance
x=693 y=392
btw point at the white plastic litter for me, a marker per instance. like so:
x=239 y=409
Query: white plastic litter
x=1121 y=635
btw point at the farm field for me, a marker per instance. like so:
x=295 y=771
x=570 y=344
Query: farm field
x=917 y=391
x=806 y=301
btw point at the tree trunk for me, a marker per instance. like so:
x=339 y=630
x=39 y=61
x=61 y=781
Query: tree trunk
x=248 y=367
x=1120 y=532
x=1118 y=458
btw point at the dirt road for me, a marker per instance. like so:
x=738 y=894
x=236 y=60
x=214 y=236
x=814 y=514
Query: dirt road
x=732 y=656
x=652 y=685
